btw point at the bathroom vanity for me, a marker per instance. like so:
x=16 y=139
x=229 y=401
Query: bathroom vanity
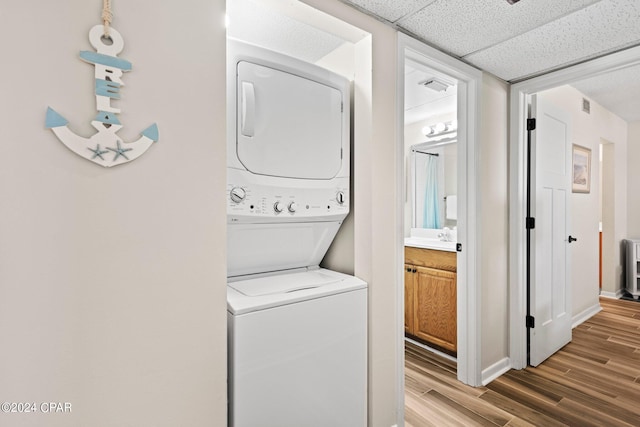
x=430 y=295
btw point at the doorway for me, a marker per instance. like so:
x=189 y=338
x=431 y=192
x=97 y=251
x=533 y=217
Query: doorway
x=520 y=94
x=607 y=220
x=467 y=80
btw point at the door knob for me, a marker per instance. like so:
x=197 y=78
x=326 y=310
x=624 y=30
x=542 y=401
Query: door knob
x=572 y=239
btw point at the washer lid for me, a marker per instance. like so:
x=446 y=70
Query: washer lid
x=261 y=293
x=283 y=284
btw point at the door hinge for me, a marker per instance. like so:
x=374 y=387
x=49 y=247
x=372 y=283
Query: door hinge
x=459 y=247
x=531 y=223
x=531 y=124
x=531 y=322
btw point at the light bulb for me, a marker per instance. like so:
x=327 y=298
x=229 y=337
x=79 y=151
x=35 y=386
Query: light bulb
x=428 y=130
x=440 y=127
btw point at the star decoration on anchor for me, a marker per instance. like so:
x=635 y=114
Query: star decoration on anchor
x=119 y=151
x=97 y=152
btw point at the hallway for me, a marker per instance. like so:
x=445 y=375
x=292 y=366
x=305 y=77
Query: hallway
x=593 y=381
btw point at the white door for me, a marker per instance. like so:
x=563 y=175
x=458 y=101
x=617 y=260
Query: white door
x=288 y=125
x=550 y=292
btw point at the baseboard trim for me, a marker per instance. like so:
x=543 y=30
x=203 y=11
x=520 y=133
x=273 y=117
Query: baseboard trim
x=495 y=370
x=586 y=315
x=432 y=350
x=615 y=295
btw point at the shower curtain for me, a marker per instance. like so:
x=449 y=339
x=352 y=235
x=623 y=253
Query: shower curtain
x=431 y=212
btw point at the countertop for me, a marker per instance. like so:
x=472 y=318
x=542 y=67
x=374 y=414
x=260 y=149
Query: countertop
x=427 y=243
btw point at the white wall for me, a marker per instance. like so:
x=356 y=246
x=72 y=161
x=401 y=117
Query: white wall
x=340 y=256
x=588 y=130
x=113 y=281
x=493 y=224
x=341 y=61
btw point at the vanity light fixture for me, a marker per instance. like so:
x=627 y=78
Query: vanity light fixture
x=441 y=128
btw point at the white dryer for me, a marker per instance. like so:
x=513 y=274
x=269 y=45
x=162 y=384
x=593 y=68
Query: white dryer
x=297 y=333
x=287 y=160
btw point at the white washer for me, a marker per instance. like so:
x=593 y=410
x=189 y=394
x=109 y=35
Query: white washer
x=297 y=344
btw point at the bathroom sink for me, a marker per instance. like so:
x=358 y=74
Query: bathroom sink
x=429 y=238
x=430 y=243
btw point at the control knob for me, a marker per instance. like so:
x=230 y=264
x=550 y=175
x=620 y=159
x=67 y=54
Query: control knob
x=293 y=206
x=340 y=197
x=237 y=194
x=278 y=207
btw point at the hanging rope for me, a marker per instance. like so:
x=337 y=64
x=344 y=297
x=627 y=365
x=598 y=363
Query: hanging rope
x=107 y=16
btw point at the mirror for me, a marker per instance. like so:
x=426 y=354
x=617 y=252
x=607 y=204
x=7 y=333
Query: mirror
x=430 y=114
x=434 y=184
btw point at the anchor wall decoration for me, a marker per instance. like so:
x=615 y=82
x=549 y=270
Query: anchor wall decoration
x=104 y=147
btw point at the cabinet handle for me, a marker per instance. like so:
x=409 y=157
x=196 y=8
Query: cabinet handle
x=408 y=270
x=414 y=270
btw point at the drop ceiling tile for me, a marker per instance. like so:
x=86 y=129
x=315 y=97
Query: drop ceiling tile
x=601 y=28
x=389 y=9
x=253 y=22
x=463 y=27
x=617 y=91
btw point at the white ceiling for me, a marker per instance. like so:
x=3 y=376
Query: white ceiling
x=529 y=38
x=517 y=41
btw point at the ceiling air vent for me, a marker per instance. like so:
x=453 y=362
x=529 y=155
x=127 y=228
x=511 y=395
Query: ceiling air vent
x=435 y=84
x=586 y=106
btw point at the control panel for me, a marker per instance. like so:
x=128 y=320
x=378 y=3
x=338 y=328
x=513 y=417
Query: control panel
x=255 y=202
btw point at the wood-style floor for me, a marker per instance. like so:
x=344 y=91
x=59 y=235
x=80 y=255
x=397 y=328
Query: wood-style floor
x=593 y=381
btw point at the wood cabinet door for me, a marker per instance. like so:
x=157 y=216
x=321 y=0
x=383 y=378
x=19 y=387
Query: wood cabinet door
x=408 y=298
x=435 y=312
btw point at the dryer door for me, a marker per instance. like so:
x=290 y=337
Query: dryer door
x=287 y=126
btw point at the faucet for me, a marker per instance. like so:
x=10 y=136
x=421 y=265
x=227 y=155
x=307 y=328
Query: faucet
x=445 y=236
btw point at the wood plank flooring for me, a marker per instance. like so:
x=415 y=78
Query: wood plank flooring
x=592 y=381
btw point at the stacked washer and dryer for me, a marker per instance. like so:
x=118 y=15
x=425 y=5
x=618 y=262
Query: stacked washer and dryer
x=297 y=333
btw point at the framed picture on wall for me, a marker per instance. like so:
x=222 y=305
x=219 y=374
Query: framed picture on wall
x=581 y=178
